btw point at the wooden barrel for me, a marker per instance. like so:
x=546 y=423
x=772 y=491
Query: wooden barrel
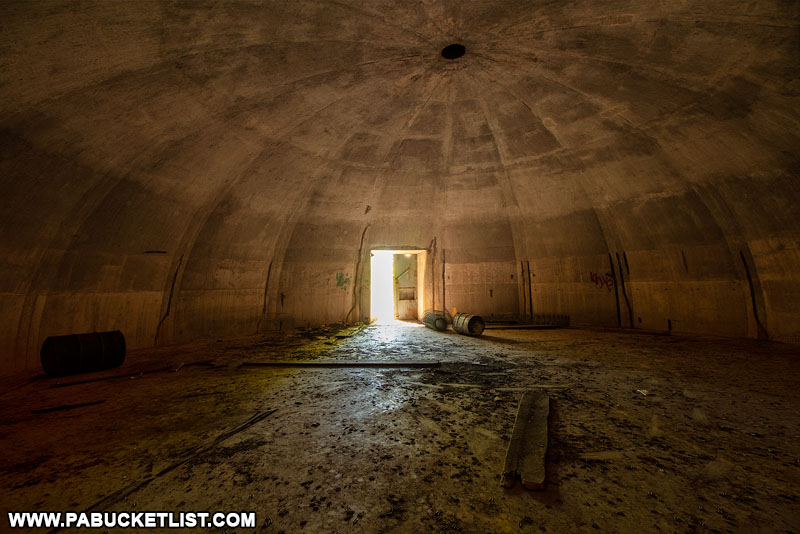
x=470 y=325
x=82 y=353
x=435 y=320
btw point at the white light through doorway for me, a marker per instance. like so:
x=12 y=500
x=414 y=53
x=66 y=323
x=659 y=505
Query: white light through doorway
x=381 y=286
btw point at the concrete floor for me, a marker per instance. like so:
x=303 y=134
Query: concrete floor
x=713 y=447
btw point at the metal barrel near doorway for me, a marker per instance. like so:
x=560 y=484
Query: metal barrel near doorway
x=435 y=320
x=470 y=325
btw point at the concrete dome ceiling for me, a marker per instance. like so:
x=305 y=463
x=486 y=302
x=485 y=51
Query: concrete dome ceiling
x=181 y=170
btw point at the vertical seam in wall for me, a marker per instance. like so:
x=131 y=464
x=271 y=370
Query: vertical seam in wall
x=624 y=292
x=444 y=295
x=524 y=289
x=169 y=300
x=530 y=290
x=264 y=304
x=762 y=332
x=356 y=274
x=616 y=289
x=432 y=252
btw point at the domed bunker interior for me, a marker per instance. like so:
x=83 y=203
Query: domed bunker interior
x=358 y=266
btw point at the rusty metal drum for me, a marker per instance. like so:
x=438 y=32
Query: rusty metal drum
x=435 y=320
x=82 y=353
x=470 y=325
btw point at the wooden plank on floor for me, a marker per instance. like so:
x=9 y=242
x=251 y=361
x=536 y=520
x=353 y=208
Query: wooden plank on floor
x=132 y=373
x=532 y=465
x=528 y=445
x=515 y=443
x=351 y=364
x=67 y=407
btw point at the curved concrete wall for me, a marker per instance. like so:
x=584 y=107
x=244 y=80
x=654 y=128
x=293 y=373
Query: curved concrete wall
x=183 y=170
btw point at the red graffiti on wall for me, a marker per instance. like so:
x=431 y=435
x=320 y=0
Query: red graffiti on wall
x=602 y=280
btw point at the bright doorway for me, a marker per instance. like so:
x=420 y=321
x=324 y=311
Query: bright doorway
x=396 y=283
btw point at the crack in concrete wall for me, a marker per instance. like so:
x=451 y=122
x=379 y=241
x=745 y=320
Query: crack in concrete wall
x=169 y=300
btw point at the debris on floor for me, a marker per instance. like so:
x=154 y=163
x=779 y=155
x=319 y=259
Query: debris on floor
x=527 y=448
x=358 y=450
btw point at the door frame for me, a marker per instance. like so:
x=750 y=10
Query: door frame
x=422 y=263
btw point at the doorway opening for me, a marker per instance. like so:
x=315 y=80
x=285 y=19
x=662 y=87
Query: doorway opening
x=396 y=284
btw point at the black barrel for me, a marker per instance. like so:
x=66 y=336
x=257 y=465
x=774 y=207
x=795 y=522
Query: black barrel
x=82 y=353
x=435 y=320
x=471 y=325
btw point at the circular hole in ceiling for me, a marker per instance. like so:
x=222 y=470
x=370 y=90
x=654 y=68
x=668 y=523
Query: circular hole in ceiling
x=453 y=51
